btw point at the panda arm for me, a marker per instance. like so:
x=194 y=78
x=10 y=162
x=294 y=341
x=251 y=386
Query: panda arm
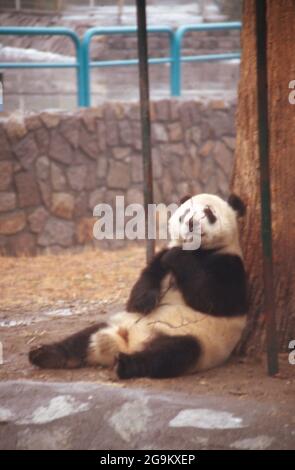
x=184 y=264
x=145 y=294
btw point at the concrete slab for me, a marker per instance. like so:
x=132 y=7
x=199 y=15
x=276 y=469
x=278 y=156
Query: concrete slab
x=78 y=415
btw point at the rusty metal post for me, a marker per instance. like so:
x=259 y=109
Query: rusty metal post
x=265 y=189
x=145 y=119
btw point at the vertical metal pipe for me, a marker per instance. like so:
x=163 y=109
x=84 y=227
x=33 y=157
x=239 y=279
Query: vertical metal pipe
x=84 y=97
x=145 y=119
x=265 y=191
x=175 y=67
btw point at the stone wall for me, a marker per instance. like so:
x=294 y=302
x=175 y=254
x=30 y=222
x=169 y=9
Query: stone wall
x=56 y=166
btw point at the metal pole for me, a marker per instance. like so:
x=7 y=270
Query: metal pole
x=145 y=119
x=265 y=191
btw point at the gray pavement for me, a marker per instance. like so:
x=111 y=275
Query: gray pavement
x=78 y=415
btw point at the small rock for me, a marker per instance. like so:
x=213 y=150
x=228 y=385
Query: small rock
x=37 y=219
x=63 y=205
x=84 y=230
x=27 y=189
x=6 y=152
x=112 y=135
x=159 y=133
x=26 y=150
x=23 y=244
x=196 y=135
x=175 y=132
x=118 y=176
x=58 y=179
x=120 y=153
x=33 y=122
x=217 y=104
x=125 y=132
x=42 y=167
x=162 y=110
x=59 y=148
x=77 y=176
x=207 y=148
x=57 y=232
x=50 y=119
x=96 y=197
x=42 y=139
x=69 y=128
x=7 y=201
x=12 y=223
x=102 y=166
x=15 y=126
x=46 y=193
x=134 y=196
x=88 y=143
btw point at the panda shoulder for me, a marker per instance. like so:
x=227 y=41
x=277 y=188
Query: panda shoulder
x=227 y=265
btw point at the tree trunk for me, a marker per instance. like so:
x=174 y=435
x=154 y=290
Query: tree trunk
x=281 y=70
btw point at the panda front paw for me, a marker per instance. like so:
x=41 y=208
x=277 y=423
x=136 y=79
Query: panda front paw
x=143 y=301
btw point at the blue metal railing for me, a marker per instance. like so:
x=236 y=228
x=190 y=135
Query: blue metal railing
x=176 y=50
x=83 y=63
x=36 y=31
x=115 y=63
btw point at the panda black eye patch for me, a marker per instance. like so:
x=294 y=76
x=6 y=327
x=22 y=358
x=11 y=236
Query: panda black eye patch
x=209 y=214
x=181 y=218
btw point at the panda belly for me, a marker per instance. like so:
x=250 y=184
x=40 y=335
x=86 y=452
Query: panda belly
x=131 y=332
x=217 y=336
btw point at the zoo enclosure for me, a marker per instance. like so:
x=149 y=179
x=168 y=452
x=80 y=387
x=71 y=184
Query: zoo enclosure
x=83 y=63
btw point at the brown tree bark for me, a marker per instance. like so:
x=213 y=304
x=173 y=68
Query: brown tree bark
x=281 y=70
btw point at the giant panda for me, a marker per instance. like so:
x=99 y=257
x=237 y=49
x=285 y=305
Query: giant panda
x=187 y=310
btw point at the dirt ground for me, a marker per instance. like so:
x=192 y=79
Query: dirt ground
x=48 y=297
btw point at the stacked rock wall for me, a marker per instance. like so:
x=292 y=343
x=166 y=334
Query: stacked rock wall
x=56 y=166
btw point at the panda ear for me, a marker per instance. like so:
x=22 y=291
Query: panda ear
x=237 y=204
x=184 y=199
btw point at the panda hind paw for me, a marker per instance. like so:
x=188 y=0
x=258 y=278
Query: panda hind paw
x=47 y=357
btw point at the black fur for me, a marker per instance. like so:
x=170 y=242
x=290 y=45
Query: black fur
x=145 y=294
x=163 y=357
x=237 y=204
x=68 y=353
x=211 y=283
x=185 y=198
x=210 y=216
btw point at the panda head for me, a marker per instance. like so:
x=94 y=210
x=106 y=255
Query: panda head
x=207 y=222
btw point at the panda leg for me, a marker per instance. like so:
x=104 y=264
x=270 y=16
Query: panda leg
x=165 y=356
x=67 y=354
